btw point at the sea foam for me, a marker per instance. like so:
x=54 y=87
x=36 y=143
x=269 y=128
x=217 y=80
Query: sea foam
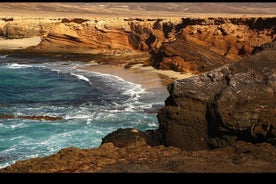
x=17 y=66
x=81 y=77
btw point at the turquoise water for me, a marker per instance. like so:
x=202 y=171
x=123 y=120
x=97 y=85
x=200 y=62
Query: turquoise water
x=92 y=105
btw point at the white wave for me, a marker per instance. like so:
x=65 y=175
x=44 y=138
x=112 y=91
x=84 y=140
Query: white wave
x=17 y=138
x=145 y=106
x=153 y=125
x=114 y=110
x=108 y=76
x=17 y=66
x=79 y=116
x=130 y=108
x=88 y=121
x=17 y=125
x=99 y=133
x=55 y=70
x=130 y=88
x=134 y=91
x=81 y=77
x=3 y=56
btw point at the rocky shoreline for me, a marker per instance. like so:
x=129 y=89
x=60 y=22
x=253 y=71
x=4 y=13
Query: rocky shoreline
x=195 y=133
x=220 y=120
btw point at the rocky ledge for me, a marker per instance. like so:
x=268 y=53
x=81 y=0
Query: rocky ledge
x=220 y=121
x=136 y=156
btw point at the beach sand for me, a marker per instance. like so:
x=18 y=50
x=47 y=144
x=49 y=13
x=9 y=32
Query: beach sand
x=6 y=44
x=150 y=78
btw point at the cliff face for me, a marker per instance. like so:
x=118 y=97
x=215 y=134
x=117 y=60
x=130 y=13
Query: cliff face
x=203 y=44
x=231 y=107
x=230 y=103
x=186 y=44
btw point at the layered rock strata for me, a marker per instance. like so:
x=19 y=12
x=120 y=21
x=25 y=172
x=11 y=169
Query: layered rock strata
x=180 y=44
x=229 y=107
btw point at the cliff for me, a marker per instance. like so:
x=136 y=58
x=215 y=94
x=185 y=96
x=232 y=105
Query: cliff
x=232 y=102
x=224 y=117
x=180 y=44
x=230 y=108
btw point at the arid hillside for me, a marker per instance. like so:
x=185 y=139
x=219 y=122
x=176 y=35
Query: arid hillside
x=123 y=9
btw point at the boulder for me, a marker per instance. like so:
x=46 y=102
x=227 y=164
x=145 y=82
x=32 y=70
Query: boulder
x=233 y=102
x=132 y=137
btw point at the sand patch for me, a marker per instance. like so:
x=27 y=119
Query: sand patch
x=168 y=73
x=23 y=43
x=150 y=78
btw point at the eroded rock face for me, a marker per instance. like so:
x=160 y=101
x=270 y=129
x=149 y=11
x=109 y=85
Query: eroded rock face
x=200 y=45
x=15 y=29
x=181 y=44
x=234 y=102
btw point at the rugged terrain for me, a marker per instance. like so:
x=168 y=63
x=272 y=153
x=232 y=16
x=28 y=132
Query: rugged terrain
x=222 y=120
x=180 y=44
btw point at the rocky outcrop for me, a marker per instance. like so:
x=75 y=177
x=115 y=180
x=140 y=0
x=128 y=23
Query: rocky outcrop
x=204 y=44
x=233 y=102
x=180 y=44
x=132 y=137
x=229 y=107
x=14 y=29
x=242 y=158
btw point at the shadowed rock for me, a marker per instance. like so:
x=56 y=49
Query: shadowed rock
x=132 y=137
x=233 y=102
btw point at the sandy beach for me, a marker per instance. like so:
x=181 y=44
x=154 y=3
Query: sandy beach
x=23 y=43
x=150 y=78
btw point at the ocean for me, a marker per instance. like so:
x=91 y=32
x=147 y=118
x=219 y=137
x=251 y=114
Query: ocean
x=90 y=105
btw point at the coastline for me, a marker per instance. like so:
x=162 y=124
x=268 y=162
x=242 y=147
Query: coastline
x=150 y=78
x=205 y=121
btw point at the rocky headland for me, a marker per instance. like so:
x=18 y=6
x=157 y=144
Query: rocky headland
x=180 y=44
x=220 y=120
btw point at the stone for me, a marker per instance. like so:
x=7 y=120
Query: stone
x=215 y=105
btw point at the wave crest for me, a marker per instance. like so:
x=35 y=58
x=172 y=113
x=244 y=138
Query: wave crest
x=81 y=77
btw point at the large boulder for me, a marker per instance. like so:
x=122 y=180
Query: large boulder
x=234 y=102
x=132 y=137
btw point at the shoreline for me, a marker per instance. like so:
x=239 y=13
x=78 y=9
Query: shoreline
x=150 y=78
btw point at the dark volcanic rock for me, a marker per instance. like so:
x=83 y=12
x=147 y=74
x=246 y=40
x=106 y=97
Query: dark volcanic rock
x=233 y=102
